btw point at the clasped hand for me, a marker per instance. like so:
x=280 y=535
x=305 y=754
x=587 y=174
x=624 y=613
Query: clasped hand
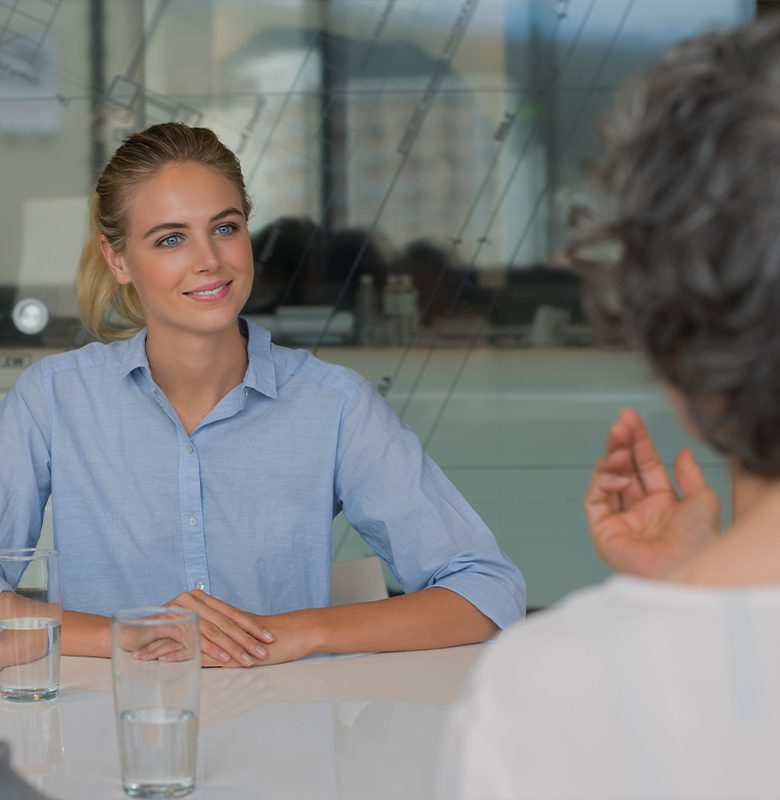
x=639 y=522
x=230 y=637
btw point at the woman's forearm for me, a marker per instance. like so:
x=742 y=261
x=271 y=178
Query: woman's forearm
x=423 y=620
x=85 y=634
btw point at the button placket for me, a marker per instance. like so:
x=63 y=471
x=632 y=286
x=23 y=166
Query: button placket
x=192 y=519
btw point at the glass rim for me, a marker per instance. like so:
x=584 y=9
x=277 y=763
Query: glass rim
x=26 y=553
x=153 y=615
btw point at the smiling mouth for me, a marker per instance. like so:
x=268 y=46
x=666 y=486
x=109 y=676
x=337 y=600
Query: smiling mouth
x=207 y=293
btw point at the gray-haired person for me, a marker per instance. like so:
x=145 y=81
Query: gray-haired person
x=666 y=688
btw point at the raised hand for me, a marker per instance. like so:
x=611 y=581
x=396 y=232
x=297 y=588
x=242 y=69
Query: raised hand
x=639 y=522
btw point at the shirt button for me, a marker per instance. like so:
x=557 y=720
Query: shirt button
x=200 y=585
x=193 y=521
x=189 y=448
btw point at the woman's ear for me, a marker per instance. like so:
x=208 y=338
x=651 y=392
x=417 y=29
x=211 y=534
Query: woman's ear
x=116 y=262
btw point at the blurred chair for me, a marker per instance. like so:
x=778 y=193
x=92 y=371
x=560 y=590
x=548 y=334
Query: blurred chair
x=357 y=581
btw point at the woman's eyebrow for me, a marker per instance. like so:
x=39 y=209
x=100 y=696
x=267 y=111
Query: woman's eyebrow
x=164 y=226
x=227 y=213
x=168 y=226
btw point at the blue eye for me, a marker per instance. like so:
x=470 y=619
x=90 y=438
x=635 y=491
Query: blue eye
x=226 y=228
x=170 y=241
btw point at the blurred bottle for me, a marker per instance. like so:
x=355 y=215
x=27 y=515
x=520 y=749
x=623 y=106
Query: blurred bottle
x=365 y=312
x=408 y=315
x=390 y=298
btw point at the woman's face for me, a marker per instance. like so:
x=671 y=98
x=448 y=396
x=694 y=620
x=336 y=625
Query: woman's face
x=188 y=252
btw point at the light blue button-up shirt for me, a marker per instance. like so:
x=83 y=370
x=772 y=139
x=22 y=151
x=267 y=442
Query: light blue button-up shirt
x=243 y=507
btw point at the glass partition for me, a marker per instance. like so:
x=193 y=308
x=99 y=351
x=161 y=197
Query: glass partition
x=411 y=161
x=412 y=164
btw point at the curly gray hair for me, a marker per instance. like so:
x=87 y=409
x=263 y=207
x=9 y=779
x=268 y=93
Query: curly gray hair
x=688 y=201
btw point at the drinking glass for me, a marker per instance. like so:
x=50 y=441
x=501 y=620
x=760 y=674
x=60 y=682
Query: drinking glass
x=156 y=670
x=30 y=624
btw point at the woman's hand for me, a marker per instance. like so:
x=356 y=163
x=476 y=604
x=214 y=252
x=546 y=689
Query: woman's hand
x=160 y=642
x=430 y=618
x=231 y=637
x=638 y=522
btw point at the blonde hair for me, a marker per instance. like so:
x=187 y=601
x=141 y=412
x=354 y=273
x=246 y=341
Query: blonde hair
x=140 y=157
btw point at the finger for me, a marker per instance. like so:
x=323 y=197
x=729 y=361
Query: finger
x=621 y=462
x=248 y=622
x=207 y=661
x=602 y=497
x=223 y=631
x=619 y=435
x=689 y=475
x=221 y=656
x=649 y=467
x=620 y=457
x=220 y=638
x=160 y=647
x=218 y=634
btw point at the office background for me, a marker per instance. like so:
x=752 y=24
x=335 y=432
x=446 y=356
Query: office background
x=413 y=164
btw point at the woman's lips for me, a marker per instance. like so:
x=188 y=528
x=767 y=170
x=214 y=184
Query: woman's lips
x=210 y=293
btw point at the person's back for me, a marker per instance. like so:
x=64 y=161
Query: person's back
x=634 y=689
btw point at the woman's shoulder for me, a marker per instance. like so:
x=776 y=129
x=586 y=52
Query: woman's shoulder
x=305 y=367
x=94 y=354
x=85 y=360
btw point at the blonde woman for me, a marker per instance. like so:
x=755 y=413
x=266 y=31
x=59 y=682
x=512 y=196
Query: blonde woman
x=193 y=462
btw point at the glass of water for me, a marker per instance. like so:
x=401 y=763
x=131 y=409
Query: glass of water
x=156 y=669
x=30 y=624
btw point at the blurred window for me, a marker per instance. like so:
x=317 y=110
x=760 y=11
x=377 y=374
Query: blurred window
x=439 y=140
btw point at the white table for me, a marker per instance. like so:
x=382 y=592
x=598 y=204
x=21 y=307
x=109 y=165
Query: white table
x=365 y=726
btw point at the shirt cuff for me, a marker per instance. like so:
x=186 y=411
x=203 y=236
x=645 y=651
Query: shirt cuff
x=502 y=601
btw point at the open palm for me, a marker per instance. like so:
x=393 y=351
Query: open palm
x=639 y=522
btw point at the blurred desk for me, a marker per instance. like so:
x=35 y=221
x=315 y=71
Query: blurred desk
x=362 y=727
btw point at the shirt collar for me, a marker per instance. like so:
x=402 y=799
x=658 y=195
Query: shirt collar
x=260 y=372
x=134 y=354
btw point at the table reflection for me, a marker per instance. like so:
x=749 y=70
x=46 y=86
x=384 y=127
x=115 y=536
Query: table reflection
x=35 y=733
x=364 y=726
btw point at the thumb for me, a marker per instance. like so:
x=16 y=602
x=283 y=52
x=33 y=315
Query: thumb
x=689 y=475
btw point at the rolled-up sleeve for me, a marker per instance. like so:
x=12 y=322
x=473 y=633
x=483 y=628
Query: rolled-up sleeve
x=413 y=517
x=25 y=477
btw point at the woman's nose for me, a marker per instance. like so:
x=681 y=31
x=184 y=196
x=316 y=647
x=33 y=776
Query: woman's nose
x=208 y=258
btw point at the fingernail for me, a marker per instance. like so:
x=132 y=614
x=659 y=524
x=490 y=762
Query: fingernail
x=267 y=635
x=261 y=651
x=247 y=659
x=223 y=656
